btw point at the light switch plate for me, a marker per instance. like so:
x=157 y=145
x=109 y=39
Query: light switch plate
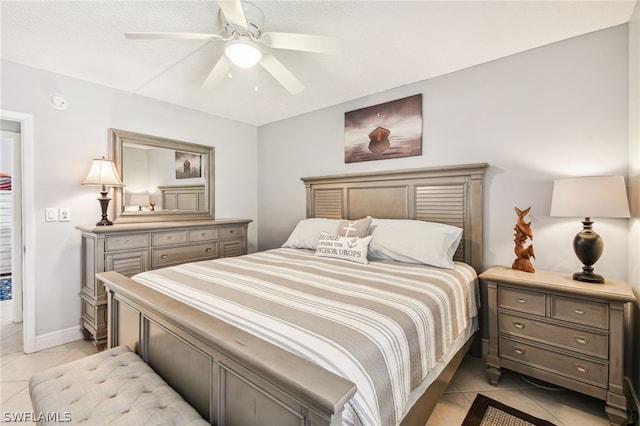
x=65 y=214
x=51 y=214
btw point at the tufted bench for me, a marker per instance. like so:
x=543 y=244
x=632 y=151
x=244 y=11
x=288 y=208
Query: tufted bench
x=111 y=387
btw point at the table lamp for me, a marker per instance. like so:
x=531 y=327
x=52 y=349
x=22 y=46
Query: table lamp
x=592 y=196
x=103 y=173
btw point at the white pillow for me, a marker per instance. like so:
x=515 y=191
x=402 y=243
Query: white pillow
x=347 y=248
x=414 y=241
x=307 y=232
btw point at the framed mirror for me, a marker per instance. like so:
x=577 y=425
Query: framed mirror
x=164 y=179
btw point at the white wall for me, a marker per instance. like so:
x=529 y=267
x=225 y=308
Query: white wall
x=65 y=142
x=5 y=156
x=634 y=149
x=560 y=110
x=634 y=172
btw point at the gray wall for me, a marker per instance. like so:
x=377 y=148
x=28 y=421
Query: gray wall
x=559 y=110
x=634 y=174
x=65 y=141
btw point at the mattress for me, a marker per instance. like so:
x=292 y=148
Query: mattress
x=387 y=326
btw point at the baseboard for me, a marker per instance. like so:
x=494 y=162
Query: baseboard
x=57 y=338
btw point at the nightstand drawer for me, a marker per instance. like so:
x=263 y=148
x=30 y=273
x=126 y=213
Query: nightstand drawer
x=580 y=311
x=522 y=300
x=167 y=238
x=172 y=256
x=126 y=242
x=585 y=342
x=565 y=365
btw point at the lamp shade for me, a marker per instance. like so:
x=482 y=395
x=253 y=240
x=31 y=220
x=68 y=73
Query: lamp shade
x=591 y=196
x=140 y=199
x=102 y=172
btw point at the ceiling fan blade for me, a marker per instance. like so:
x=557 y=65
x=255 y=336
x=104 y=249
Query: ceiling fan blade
x=170 y=36
x=232 y=10
x=218 y=73
x=280 y=73
x=305 y=42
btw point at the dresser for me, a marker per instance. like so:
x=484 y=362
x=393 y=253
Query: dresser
x=137 y=247
x=573 y=334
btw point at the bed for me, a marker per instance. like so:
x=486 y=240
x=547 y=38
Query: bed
x=238 y=355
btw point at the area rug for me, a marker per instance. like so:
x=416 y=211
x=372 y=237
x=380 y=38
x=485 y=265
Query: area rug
x=5 y=289
x=487 y=412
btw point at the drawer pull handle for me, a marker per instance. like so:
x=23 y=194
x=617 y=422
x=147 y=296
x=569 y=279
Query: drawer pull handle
x=581 y=339
x=521 y=300
x=231 y=231
x=579 y=311
x=164 y=256
x=169 y=237
x=127 y=241
x=208 y=250
x=204 y=234
x=581 y=368
x=519 y=351
x=518 y=325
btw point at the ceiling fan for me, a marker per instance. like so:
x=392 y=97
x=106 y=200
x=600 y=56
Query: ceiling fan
x=242 y=32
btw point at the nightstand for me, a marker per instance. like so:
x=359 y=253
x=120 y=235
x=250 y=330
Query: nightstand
x=547 y=326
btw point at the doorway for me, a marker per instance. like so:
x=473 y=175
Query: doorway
x=16 y=133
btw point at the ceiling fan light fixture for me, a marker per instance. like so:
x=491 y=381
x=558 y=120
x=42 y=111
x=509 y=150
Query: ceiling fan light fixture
x=243 y=53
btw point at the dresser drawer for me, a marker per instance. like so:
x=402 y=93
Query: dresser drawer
x=171 y=256
x=585 y=342
x=522 y=300
x=126 y=242
x=231 y=231
x=169 y=237
x=580 y=311
x=203 y=234
x=565 y=365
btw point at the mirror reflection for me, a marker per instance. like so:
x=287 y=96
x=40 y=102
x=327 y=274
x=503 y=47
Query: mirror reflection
x=164 y=179
x=160 y=179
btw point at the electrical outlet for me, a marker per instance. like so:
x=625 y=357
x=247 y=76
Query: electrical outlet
x=65 y=214
x=51 y=214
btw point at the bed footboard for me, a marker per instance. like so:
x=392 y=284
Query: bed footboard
x=229 y=376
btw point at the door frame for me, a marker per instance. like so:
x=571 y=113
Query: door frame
x=26 y=166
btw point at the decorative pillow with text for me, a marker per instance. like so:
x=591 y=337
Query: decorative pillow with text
x=353 y=249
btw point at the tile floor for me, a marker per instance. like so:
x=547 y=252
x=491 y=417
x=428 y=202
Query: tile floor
x=16 y=368
x=562 y=407
x=559 y=406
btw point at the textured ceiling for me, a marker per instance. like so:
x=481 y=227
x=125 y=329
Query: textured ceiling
x=385 y=44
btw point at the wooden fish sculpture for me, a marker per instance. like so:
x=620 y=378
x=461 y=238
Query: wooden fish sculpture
x=523 y=233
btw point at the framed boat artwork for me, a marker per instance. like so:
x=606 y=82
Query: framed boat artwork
x=389 y=130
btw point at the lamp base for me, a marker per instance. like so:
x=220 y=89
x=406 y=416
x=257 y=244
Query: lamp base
x=588 y=277
x=104 y=205
x=588 y=246
x=104 y=222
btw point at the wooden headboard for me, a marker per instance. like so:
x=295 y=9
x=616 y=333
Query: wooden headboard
x=450 y=194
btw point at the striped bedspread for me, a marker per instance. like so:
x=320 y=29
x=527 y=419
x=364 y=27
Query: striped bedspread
x=383 y=326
